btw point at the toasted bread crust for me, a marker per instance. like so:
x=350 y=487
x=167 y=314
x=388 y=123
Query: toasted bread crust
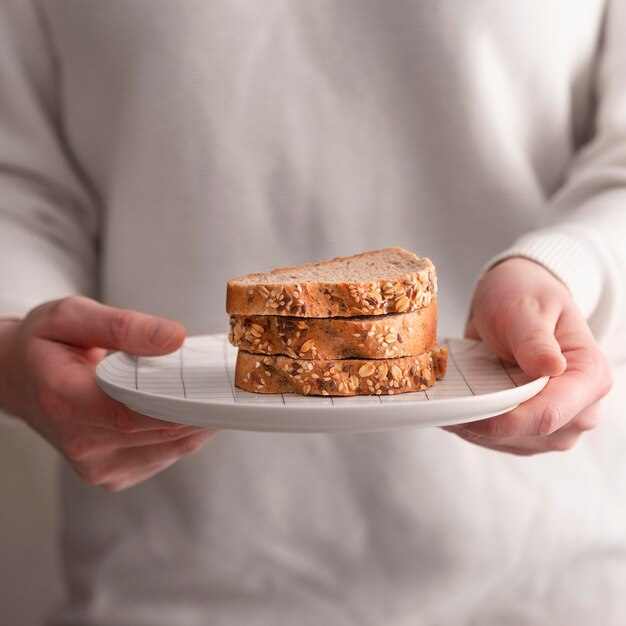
x=372 y=337
x=273 y=295
x=349 y=377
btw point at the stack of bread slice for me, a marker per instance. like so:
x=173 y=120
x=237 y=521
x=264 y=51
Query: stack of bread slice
x=360 y=325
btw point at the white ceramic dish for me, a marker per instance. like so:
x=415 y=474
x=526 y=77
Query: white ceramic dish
x=194 y=386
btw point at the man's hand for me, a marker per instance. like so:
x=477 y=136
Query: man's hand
x=47 y=364
x=527 y=316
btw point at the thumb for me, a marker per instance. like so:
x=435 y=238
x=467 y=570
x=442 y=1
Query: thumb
x=471 y=332
x=86 y=323
x=532 y=342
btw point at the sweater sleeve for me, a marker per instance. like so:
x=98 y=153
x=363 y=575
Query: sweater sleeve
x=48 y=218
x=585 y=242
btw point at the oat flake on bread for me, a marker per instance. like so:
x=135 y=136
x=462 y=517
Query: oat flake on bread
x=392 y=280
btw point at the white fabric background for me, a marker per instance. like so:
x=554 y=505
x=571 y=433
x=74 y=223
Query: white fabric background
x=30 y=578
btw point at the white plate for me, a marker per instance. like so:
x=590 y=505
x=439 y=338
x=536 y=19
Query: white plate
x=194 y=385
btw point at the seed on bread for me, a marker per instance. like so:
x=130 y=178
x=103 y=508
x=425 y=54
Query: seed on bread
x=337 y=338
x=256 y=330
x=307 y=345
x=367 y=370
x=323 y=377
x=402 y=304
x=365 y=284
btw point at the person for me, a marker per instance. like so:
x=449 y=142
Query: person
x=151 y=151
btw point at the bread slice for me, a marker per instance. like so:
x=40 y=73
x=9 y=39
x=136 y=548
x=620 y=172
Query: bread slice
x=371 y=337
x=349 y=377
x=392 y=280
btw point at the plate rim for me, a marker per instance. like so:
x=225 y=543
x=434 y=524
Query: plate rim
x=481 y=406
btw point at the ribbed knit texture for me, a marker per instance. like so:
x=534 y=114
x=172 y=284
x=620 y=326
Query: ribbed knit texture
x=571 y=260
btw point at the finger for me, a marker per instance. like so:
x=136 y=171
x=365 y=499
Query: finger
x=107 y=441
x=69 y=395
x=129 y=462
x=471 y=331
x=560 y=441
x=80 y=399
x=137 y=477
x=526 y=446
x=83 y=443
x=586 y=380
x=113 y=415
x=530 y=334
x=497 y=445
x=84 y=322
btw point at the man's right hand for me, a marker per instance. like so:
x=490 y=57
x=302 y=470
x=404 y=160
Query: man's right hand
x=47 y=363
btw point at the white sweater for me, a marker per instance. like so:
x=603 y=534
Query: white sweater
x=150 y=150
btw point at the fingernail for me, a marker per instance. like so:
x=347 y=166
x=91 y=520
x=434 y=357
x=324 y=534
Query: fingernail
x=162 y=334
x=553 y=353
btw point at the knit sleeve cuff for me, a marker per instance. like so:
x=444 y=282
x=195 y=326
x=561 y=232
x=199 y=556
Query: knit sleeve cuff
x=568 y=255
